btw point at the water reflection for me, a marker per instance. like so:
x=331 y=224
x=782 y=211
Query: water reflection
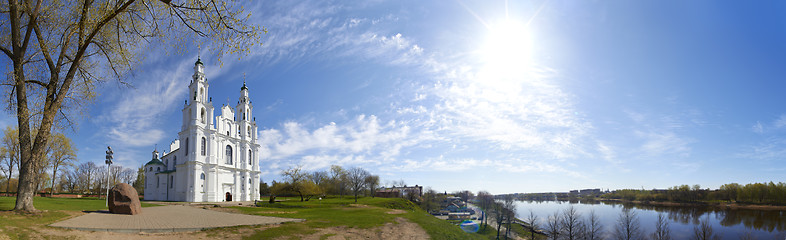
x=728 y=223
x=763 y=220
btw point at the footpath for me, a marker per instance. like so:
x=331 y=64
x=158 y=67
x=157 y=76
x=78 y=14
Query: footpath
x=172 y=218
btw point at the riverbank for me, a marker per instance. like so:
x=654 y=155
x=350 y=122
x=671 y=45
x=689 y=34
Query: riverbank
x=720 y=205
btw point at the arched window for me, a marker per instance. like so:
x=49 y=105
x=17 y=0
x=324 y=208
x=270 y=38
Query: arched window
x=248 y=131
x=229 y=128
x=158 y=169
x=174 y=162
x=203 y=146
x=167 y=163
x=151 y=169
x=229 y=154
x=158 y=181
x=202 y=115
x=249 y=181
x=202 y=176
x=171 y=181
x=202 y=94
x=250 y=161
x=186 y=147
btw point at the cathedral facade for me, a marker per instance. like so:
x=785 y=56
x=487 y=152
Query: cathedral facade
x=214 y=159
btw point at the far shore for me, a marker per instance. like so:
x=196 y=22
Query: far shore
x=731 y=205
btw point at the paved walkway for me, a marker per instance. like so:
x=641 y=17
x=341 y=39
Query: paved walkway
x=165 y=219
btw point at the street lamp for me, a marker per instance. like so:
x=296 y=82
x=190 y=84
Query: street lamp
x=108 y=162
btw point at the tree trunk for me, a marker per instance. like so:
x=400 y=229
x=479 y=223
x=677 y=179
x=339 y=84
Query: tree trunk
x=25 y=191
x=54 y=174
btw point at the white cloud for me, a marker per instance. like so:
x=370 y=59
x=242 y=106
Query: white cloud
x=362 y=137
x=780 y=122
x=135 y=120
x=758 y=128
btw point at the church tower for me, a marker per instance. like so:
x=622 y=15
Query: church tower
x=196 y=130
x=247 y=129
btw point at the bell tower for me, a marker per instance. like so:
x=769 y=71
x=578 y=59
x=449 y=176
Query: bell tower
x=197 y=117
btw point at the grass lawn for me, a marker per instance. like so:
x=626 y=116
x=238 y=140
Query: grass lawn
x=17 y=226
x=337 y=211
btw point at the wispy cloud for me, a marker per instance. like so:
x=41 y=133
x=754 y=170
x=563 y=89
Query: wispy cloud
x=134 y=120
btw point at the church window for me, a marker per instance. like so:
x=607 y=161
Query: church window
x=151 y=169
x=248 y=131
x=174 y=162
x=186 y=146
x=202 y=176
x=229 y=128
x=203 y=146
x=202 y=94
x=249 y=181
x=158 y=169
x=229 y=154
x=171 y=181
x=167 y=162
x=202 y=115
x=250 y=162
x=195 y=95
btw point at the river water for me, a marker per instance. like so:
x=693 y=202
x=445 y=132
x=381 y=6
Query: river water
x=727 y=224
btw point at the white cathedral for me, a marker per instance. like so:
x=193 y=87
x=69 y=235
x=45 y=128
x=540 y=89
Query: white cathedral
x=211 y=161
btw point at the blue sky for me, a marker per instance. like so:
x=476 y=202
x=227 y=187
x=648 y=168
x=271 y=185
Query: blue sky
x=523 y=96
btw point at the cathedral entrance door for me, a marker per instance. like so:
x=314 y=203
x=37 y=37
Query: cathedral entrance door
x=228 y=197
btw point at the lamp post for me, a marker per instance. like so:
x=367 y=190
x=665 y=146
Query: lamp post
x=108 y=162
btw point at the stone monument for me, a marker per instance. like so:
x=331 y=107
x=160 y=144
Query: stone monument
x=123 y=199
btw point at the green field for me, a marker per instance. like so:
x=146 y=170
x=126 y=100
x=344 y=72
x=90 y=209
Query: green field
x=337 y=211
x=330 y=212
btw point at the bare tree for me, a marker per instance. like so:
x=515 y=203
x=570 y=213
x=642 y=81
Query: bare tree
x=485 y=200
x=318 y=177
x=704 y=231
x=533 y=223
x=662 y=231
x=553 y=226
x=594 y=228
x=510 y=212
x=571 y=221
x=628 y=226
x=59 y=50
x=357 y=180
x=499 y=215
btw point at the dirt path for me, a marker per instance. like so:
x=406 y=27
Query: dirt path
x=401 y=229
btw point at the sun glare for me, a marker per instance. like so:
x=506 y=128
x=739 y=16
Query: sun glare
x=507 y=46
x=506 y=54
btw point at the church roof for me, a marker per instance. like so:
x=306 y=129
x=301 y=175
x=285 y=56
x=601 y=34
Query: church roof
x=154 y=161
x=199 y=61
x=244 y=86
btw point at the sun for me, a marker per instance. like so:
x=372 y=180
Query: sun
x=507 y=47
x=505 y=57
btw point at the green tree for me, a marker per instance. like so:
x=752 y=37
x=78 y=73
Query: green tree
x=139 y=183
x=9 y=149
x=372 y=182
x=62 y=154
x=298 y=183
x=59 y=50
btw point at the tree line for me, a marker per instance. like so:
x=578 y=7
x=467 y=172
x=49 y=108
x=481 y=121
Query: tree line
x=758 y=193
x=335 y=181
x=59 y=171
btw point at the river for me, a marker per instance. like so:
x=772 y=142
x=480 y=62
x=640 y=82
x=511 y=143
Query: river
x=726 y=223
